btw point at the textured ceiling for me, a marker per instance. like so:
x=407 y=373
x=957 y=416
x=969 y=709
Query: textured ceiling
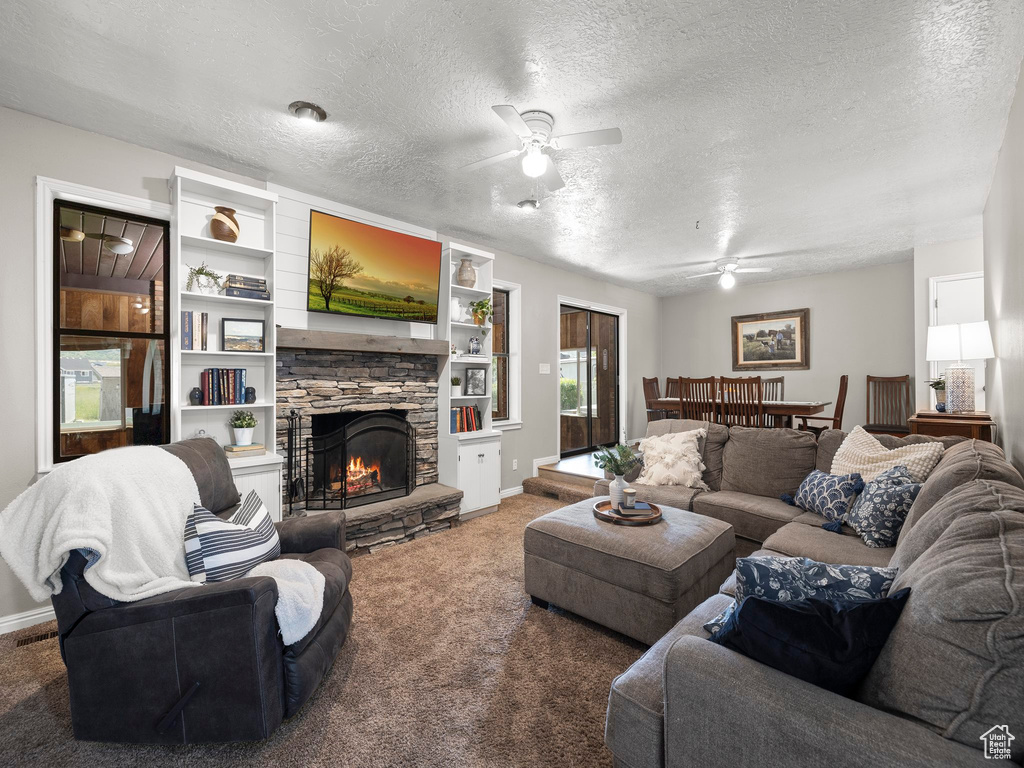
x=815 y=134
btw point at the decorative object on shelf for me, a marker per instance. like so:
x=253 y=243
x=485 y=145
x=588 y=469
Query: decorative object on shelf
x=455 y=350
x=223 y=225
x=242 y=335
x=195 y=397
x=939 y=387
x=474 y=345
x=202 y=279
x=240 y=451
x=250 y=395
x=619 y=460
x=482 y=312
x=456 y=386
x=246 y=287
x=466 y=276
x=960 y=342
x=242 y=424
x=772 y=341
x=629 y=498
x=476 y=381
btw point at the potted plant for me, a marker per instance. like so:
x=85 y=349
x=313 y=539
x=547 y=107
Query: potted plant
x=619 y=460
x=456 y=386
x=242 y=424
x=939 y=385
x=204 y=278
x=481 y=311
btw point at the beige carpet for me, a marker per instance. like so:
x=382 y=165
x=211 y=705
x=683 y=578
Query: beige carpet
x=448 y=664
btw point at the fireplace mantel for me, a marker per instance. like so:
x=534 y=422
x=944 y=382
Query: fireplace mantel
x=298 y=338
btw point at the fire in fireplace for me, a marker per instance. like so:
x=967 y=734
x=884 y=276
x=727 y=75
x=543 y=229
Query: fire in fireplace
x=358 y=458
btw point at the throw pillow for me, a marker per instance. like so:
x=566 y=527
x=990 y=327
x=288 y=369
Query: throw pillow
x=827 y=495
x=829 y=643
x=796 y=578
x=673 y=459
x=861 y=452
x=879 y=512
x=219 y=550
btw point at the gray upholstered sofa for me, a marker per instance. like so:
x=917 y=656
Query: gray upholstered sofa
x=952 y=668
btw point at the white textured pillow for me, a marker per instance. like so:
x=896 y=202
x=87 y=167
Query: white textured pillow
x=673 y=459
x=861 y=452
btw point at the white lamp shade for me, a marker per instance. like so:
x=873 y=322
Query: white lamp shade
x=959 y=341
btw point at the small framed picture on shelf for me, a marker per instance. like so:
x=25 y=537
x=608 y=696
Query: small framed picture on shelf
x=242 y=335
x=476 y=381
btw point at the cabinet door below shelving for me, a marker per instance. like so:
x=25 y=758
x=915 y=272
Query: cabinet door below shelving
x=469 y=476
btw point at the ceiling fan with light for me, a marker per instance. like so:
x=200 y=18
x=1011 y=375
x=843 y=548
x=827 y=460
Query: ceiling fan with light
x=534 y=131
x=113 y=243
x=727 y=269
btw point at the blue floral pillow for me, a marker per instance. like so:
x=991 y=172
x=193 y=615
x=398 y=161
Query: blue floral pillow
x=879 y=513
x=785 y=579
x=827 y=495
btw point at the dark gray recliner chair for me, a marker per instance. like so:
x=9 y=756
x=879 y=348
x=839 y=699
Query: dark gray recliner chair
x=201 y=665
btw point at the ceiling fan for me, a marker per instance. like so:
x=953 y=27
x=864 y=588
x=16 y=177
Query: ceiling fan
x=113 y=243
x=727 y=269
x=534 y=131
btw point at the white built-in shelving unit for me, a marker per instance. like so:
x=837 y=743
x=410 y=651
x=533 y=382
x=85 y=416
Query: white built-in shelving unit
x=194 y=196
x=470 y=461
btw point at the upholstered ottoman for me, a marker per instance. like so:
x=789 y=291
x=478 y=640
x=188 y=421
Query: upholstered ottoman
x=638 y=580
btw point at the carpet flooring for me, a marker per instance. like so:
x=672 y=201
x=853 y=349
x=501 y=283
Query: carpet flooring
x=448 y=664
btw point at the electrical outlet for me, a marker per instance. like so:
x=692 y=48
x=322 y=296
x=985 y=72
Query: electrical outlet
x=515 y=464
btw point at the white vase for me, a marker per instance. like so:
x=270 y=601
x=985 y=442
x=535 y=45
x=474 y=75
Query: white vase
x=242 y=436
x=615 y=488
x=456 y=390
x=466 y=276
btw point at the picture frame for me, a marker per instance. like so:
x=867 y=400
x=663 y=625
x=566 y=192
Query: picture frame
x=241 y=334
x=476 y=381
x=772 y=341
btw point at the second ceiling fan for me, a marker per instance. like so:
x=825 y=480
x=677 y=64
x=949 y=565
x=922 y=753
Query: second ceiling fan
x=534 y=131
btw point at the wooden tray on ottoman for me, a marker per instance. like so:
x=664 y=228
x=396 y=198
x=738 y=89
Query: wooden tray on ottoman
x=603 y=510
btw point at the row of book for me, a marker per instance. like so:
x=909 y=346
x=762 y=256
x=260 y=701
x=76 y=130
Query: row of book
x=223 y=386
x=193 y=329
x=244 y=287
x=466 y=418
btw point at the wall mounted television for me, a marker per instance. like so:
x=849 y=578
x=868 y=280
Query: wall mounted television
x=358 y=269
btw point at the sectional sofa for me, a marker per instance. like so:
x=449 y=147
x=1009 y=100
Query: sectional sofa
x=953 y=667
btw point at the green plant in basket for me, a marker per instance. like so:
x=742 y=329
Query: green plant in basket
x=242 y=420
x=619 y=460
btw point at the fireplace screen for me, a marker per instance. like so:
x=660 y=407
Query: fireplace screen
x=354 y=460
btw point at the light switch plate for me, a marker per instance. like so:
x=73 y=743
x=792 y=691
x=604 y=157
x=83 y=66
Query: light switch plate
x=545 y=367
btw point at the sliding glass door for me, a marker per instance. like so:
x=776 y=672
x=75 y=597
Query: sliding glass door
x=588 y=368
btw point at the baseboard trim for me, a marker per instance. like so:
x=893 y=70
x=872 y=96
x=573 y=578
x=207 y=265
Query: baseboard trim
x=17 y=621
x=511 y=492
x=538 y=463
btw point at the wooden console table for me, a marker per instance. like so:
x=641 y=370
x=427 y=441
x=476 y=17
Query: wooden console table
x=978 y=425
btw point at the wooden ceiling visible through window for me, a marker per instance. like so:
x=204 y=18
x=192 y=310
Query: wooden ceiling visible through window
x=89 y=257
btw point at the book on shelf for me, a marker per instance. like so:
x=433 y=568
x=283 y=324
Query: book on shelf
x=193 y=330
x=247 y=293
x=223 y=386
x=466 y=418
x=243 y=281
x=235 y=451
x=186 y=330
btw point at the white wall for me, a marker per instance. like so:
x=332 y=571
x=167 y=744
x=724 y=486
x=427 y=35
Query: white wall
x=1004 y=286
x=936 y=260
x=861 y=323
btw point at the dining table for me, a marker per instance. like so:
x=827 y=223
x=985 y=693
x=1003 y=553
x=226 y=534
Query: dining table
x=784 y=411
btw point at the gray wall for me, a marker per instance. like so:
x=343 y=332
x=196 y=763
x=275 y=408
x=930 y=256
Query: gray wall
x=1004 y=286
x=861 y=322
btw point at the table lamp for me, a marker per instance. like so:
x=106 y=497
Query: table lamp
x=959 y=341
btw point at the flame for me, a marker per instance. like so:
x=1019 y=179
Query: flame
x=361 y=476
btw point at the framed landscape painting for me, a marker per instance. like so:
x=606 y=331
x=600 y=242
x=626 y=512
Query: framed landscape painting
x=771 y=341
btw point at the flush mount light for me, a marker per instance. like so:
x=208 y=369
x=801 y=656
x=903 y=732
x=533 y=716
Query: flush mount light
x=535 y=162
x=727 y=280
x=307 y=110
x=528 y=205
x=118 y=245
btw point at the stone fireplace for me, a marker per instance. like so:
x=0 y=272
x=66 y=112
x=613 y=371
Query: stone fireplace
x=363 y=434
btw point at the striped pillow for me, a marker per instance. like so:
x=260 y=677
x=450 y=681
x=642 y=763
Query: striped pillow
x=219 y=550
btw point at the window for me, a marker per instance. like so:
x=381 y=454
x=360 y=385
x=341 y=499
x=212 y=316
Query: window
x=574 y=376
x=505 y=351
x=110 y=330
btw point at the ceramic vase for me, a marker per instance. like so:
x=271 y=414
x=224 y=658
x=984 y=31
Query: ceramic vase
x=466 y=276
x=250 y=395
x=940 y=396
x=223 y=225
x=207 y=286
x=243 y=436
x=615 y=488
x=456 y=390
x=195 y=397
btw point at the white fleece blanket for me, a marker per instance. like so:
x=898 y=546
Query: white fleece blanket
x=300 y=596
x=125 y=508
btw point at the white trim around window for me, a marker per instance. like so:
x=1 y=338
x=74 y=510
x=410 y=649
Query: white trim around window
x=515 y=356
x=48 y=190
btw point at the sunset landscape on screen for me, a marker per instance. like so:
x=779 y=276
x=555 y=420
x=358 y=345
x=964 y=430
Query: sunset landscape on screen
x=358 y=269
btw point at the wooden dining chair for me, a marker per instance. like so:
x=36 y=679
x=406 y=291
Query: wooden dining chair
x=698 y=398
x=888 y=409
x=742 y=402
x=835 y=421
x=774 y=389
x=652 y=392
x=672 y=387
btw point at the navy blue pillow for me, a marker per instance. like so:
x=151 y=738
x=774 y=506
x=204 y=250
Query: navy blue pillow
x=829 y=643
